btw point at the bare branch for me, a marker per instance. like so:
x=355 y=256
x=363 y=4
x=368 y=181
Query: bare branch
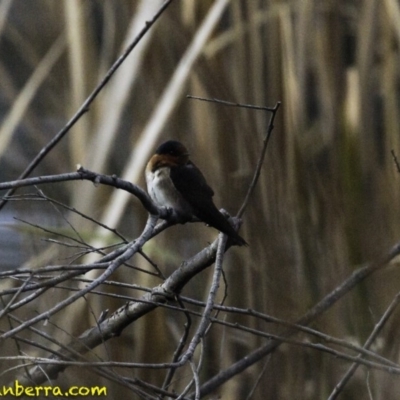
x=395 y=160
x=205 y=320
x=231 y=104
x=124 y=316
x=130 y=251
x=355 y=278
x=85 y=106
x=84 y=174
x=378 y=328
x=260 y=160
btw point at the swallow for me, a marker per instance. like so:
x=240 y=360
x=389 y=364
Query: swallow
x=173 y=181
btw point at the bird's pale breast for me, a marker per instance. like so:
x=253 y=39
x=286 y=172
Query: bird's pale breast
x=163 y=192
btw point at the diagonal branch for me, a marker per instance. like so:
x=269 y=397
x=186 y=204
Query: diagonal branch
x=327 y=302
x=125 y=315
x=270 y=128
x=378 y=328
x=85 y=106
x=130 y=251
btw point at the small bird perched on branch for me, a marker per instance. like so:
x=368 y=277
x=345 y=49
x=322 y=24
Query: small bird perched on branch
x=174 y=181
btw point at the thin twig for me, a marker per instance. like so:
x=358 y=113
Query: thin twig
x=84 y=174
x=75 y=211
x=258 y=380
x=195 y=379
x=16 y=294
x=181 y=344
x=326 y=303
x=229 y=103
x=395 y=161
x=130 y=312
x=85 y=106
x=205 y=320
x=270 y=128
x=159 y=366
x=132 y=249
x=260 y=160
x=377 y=329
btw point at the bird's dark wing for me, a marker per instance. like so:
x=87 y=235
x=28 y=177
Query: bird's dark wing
x=190 y=182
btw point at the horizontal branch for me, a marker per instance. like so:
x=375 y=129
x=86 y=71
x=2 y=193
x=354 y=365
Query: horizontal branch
x=232 y=104
x=84 y=174
x=85 y=106
x=131 y=249
x=125 y=315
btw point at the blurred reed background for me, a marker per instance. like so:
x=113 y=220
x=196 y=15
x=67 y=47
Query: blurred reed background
x=328 y=197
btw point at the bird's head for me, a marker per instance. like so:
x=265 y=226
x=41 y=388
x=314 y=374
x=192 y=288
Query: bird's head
x=173 y=151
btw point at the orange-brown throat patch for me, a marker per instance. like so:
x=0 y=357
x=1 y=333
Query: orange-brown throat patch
x=166 y=160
